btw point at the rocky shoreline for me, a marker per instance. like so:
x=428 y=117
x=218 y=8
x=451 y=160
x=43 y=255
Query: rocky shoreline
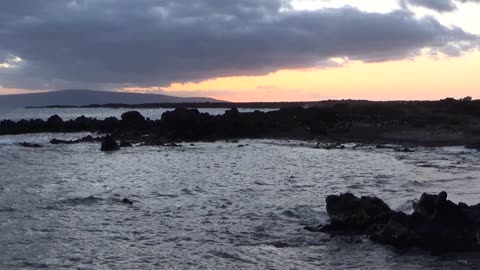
x=436 y=224
x=442 y=123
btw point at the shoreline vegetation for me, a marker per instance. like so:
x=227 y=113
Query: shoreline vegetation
x=448 y=122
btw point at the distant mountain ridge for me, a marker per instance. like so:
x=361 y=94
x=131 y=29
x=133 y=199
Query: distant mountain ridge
x=89 y=97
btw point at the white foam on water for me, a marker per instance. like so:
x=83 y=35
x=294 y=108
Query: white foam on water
x=7 y=142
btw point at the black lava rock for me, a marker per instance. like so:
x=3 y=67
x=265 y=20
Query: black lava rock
x=125 y=144
x=30 y=145
x=436 y=224
x=133 y=119
x=109 y=144
x=355 y=215
x=127 y=201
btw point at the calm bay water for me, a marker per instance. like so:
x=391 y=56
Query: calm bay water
x=211 y=205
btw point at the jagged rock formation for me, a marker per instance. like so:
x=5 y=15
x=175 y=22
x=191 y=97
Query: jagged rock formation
x=414 y=123
x=109 y=144
x=436 y=224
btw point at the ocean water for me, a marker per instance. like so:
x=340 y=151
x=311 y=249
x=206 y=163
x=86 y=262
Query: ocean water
x=99 y=113
x=212 y=205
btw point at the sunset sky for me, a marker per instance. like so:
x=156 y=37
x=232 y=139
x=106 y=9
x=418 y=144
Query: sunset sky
x=244 y=50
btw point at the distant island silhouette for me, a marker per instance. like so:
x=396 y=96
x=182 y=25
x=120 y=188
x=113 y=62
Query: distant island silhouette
x=87 y=97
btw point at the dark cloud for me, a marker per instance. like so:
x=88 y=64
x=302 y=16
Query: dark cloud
x=114 y=43
x=438 y=5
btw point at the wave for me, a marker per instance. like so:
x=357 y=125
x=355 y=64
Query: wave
x=407 y=207
x=8 y=142
x=229 y=256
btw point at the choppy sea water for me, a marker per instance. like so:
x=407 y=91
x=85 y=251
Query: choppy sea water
x=212 y=205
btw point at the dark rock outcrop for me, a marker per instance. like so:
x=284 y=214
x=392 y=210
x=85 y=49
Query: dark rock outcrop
x=85 y=139
x=55 y=121
x=133 y=119
x=412 y=123
x=30 y=145
x=127 y=201
x=405 y=150
x=436 y=224
x=59 y=141
x=109 y=144
x=354 y=215
x=125 y=144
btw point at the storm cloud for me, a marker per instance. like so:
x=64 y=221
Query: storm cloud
x=115 y=43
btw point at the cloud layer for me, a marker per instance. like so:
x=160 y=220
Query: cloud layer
x=439 y=5
x=115 y=43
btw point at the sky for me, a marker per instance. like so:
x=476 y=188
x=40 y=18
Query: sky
x=244 y=50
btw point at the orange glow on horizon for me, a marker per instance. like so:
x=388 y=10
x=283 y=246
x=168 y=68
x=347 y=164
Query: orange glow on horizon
x=421 y=78
x=418 y=79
